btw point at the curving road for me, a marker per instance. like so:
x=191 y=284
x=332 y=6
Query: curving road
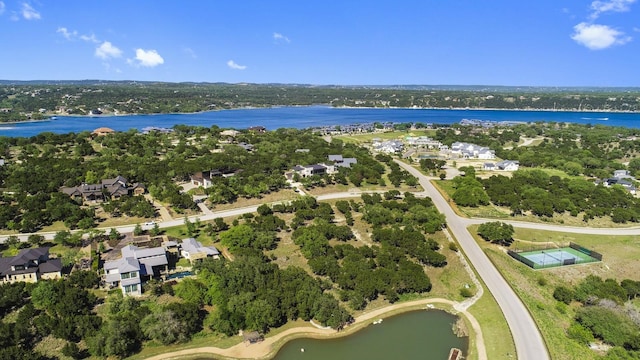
x=528 y=340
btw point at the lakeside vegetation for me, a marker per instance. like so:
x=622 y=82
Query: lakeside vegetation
x=20 y=101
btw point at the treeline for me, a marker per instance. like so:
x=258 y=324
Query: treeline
x=573 y=148
x=37 y=167
x=536 y=192
x=603 y=312
x=22 y=102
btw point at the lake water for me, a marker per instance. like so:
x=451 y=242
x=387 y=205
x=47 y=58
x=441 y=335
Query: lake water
x=423 y=335
x=310 y=116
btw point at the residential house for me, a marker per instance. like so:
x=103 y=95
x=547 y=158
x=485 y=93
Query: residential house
x=103 y=131
x=107 y=189
x=472 y=151
x=339 y=161
x=316 y=169
x=193 y=250
x=622 y=174
x=625 y=183
x=489 y=166
x=422 y=141
x=30 y=265
x=230 y=133
x=258 y=129
x=152 y=129
x=389 y=147
x=204 y=178
x=134 y=267
x=508 y=165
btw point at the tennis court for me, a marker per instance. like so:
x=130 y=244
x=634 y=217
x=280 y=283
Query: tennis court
x=541 y=259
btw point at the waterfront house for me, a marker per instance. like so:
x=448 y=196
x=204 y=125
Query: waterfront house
x=30 y=265
x=102 y=131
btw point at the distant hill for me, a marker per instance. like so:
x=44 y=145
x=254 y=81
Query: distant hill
x=474 y=88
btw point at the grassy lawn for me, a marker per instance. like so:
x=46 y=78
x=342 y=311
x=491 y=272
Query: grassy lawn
x=368 y=137
x=495 y=331
x=535 y=288
x=282 y=195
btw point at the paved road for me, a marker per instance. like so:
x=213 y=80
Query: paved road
x=527 y=337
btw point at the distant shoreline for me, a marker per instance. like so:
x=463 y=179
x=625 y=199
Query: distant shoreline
x=52 y=116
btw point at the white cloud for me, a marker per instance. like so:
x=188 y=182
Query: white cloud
x=232 y=64
x=147 y=58
x=29 y=13
x=2 y=7
x=279 y=37
x=69 y=35
x=600 y=7
x=73 y=35
x=598 y=37
x=108 y=50
x=636 y=29
x=89 y=38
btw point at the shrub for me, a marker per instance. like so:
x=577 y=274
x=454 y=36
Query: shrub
x=563 y=294
x=466 y=292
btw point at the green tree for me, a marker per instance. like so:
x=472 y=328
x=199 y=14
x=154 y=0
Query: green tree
x=164 y=327
x=497 y=232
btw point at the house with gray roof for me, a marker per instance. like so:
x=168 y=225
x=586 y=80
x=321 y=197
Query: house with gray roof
x=339 y=161
x=193 y=250
x=508 y=165
x=134 y=267
x=30 y=265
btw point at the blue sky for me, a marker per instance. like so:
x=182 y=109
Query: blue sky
x=356 y=42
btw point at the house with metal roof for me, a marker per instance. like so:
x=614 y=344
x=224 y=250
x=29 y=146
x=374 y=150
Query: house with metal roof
x=134 y=267
x=193 y=250
x=30 y=265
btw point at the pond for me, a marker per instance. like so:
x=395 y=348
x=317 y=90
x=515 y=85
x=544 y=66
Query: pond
x=423 y=334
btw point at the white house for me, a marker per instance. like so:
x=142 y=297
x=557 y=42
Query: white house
x=316 y=169
x=135 y=266
x=508 y=165
x=193 y=250
x=622 y=174
x=472 y=151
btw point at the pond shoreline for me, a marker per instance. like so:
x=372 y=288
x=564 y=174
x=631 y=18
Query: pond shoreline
x=269 y=348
